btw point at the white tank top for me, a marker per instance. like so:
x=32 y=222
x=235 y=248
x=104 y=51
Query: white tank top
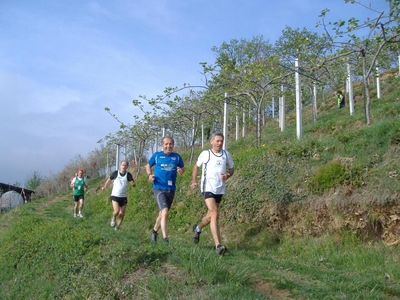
x=120 y=185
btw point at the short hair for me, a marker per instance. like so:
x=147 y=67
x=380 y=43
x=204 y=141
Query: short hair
x=167 y=137
x=216 y=134
x=127 y=163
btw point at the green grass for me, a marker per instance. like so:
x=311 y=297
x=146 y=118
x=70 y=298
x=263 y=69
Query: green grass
x=47 y=254
x=57 y=256
x=301 y=220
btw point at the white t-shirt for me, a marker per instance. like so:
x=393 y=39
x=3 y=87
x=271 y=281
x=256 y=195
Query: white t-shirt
x=214 y=164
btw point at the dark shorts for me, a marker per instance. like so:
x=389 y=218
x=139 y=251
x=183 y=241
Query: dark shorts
x=79 y=197
x=218 y=198
x=164 y=198
x=122 y=201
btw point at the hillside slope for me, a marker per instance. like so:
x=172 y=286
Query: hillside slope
x=341 y=174
x=301 y=220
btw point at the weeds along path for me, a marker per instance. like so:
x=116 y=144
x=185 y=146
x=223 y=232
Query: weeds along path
x=42 y=207
x=132 y=267
x=59 y=203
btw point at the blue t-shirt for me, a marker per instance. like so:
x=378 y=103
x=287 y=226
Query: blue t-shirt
x=165 y=169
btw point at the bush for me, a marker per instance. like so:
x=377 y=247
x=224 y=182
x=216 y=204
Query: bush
x=328 y=176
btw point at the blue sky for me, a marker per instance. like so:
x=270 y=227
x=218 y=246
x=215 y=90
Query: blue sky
x=62 y=62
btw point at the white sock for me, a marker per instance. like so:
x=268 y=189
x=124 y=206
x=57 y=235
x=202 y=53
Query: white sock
x=198 y=229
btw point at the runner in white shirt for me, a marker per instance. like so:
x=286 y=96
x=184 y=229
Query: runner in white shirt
x=217 y=168
x=119 y=197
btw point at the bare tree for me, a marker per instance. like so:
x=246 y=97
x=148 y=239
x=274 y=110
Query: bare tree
x=382 y=31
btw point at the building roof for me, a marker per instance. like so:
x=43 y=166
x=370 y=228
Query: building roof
x=8 y=187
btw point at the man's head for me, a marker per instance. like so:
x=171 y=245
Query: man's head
x=123 y=166
x=80 y=173
x=217 y=141
x=167 y=144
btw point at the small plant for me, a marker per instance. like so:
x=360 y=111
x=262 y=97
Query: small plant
x=328 y=176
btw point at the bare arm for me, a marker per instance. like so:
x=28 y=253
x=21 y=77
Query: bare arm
x=227 y=174
x=180 y=170
x=149 y=174
x=231 y=171
x=105 y=184
x=194 y=177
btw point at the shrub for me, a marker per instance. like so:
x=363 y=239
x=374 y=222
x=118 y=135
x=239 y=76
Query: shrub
x=328 y=176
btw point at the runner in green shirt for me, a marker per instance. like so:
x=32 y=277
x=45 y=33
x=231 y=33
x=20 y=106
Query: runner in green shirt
x=78 y=185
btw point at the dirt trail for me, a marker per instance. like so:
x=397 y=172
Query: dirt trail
x=40 y=208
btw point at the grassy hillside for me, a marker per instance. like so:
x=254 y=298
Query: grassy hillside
x=317 y=218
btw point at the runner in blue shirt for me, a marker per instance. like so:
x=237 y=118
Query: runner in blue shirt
x=167 y=164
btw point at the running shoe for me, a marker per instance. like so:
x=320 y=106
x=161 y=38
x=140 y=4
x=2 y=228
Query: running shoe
x=220 y=250
x=75 y=215
x=196 y=236
x=112 y=223
x=166 y=241
x=154 y=236
x=80 y=215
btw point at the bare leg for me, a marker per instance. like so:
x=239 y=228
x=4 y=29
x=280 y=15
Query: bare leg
x=118 y=213
x=205 y=221
x=158 y=222
x=116 y=208
x=81 y=204
x=164 y=222
x=121 y=215
x=211 y=218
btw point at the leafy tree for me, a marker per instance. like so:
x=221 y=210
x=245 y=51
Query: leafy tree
x=34 y=181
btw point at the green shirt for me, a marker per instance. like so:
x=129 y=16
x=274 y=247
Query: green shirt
x=79 y=186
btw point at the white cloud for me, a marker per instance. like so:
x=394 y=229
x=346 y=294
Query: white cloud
x=22 y=95
x=99 y=10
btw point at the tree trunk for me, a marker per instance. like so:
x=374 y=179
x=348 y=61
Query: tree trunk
x=367 y=98
x=314 y=93
x=259 y=120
